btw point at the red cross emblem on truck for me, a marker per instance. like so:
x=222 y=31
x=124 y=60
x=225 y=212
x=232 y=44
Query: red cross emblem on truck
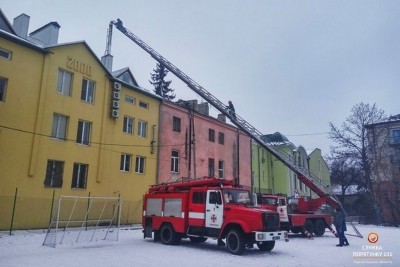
x=281 y=210
x=213 y=218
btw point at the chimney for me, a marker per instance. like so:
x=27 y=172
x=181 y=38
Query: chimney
x=21 y=25
x=46 y=35
x=203 y=108
x=221 y=117
x=107 y=61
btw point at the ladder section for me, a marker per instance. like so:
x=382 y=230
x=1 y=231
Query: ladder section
x=313 y=182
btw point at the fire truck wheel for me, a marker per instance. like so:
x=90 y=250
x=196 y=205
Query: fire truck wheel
x=168 y=235
x=319 y=227
x=295 y=230
x=266 y=246
x=309 y=226
x=195 y=239
x=235 y=241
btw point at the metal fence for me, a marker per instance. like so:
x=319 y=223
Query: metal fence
x=20 y=210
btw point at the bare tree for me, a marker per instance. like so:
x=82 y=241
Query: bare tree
x=352 y=142
x=344 y=173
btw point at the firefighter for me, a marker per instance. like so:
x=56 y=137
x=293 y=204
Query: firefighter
x=340 y=224
x=231 y=109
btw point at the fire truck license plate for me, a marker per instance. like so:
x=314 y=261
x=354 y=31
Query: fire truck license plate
x=276 y=237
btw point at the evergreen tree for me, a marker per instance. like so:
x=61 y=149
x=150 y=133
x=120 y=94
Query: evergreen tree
x=161 y=86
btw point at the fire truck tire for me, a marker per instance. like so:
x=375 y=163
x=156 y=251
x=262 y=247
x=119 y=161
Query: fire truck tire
x=168 y=236
x=309 y=226
x=235 y=242
x=266 y=246
x=319 y=227
x=295 y=230
x=195 y=239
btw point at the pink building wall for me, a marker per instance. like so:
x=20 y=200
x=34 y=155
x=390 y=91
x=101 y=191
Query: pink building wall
x=237 y=160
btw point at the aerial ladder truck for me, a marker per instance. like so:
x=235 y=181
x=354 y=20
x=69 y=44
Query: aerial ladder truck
x=304 y=175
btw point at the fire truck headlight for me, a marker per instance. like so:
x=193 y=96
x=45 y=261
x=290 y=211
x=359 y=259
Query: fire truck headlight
x=260 y=236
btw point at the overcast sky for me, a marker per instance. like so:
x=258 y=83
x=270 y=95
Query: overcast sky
x=288 y=66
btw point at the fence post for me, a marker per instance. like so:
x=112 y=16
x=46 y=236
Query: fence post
x=87 y=212
x=13 y=212
x=51 y=208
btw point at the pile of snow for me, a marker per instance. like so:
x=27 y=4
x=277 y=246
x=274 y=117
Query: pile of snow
x=24 y=248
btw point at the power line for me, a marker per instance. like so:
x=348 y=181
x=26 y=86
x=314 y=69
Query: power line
x=91 y=142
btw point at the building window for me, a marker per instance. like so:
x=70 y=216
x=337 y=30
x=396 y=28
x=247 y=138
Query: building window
x=87 y=93
x=64 y=82
x=142 y=128
x=143 y=104
x=395 y=136
x=221 y=138
x=175 y=161
x=79 y=175
x=128 y=125
x=211 y=167
x=3 y=88
x=221 y=169
x=125 y=164
x=59 y=129
x=211 y=135
x=54 y=174
x=5 y=54
x=176 y=124
x=397 y=155
x=140 y=164
x=130 y=99
x=83 y=135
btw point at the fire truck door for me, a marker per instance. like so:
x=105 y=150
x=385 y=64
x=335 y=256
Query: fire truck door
x=214 y=209
x=282 y=210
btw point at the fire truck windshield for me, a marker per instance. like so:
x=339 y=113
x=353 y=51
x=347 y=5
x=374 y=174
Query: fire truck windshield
x=237 y=196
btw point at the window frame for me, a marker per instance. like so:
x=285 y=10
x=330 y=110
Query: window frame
x=128 y=98
x=56 y=129
x=140 y=164
x=175 y=161
x=143 y=104
x=125 y=162
x=211 y=167
x=128 y=125
x=221 y=169
x=176 y=124
x=54 y=174
x=3 y=88
x=142 y=128
x=88 y=94
x=84 y=132
x=221 y=138
x=211 y=135
x=64 y=91
x=5 y=51
x=79 y=175
x=395 y=136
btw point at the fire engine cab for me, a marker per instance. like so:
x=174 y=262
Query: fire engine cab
x=209 y=208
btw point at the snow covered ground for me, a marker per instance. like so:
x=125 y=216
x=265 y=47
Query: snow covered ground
x=24 y=248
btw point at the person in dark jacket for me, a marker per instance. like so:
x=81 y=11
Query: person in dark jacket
x=231 y=109
x=340 y=225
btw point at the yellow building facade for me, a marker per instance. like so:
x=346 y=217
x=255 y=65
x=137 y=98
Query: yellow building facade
x=69 y=127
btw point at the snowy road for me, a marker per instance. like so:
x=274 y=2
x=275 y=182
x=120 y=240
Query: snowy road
x=24 y=248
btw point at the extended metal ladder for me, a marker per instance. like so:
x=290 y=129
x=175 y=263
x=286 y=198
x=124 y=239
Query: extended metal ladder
x=304 y=175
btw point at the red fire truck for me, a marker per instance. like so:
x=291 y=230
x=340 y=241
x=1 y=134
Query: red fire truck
x=299 y=214
x=209 y=208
